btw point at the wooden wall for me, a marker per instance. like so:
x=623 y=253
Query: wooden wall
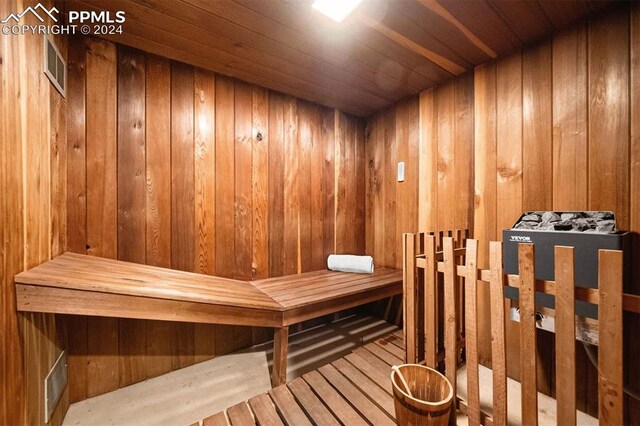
x=32 y=218
x=175 y=166
x=545 y=128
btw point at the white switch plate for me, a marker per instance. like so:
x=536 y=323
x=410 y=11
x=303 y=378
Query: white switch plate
x=401 y=171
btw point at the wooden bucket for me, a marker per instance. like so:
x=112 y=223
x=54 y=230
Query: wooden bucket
x=431 y=400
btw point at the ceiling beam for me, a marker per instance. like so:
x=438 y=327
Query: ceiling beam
x=437 y=59
x=438 y=9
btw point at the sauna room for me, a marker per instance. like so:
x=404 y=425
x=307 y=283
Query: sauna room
x=319 y=212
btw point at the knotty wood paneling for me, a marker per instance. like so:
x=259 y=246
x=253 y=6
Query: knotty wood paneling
x=212 y=175
x=547 y=127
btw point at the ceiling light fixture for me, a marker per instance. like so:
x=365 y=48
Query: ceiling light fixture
x=335 y=9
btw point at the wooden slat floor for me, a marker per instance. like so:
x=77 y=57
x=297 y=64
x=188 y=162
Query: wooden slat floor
x=353 y=390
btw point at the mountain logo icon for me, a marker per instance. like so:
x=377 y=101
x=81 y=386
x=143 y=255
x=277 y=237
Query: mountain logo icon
x=33 y=10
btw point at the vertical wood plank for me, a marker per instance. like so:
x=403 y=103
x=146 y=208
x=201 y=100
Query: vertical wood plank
x=427 y=159
x=158 y=200
x=445 y=166
x=260 y=194
x=204 y=192
x=509 y=140
x=243 y=106
x=76 y=149
x=158 y=155
x=76 y=206
x=407 y=115
x=348 y=167
x=131 y=200
x=35 y=148
x=158 y=351
x=360 y=191
x=305 y=194
x=58 y=167
x=341 y=149
x=205 y=171
x=224 y=195
x=276 y=185
x=463 y=153
x=261 y=184
x=509 y=164
x=537 y=145
x=485 y=204
x=225 y=175
x=471 y=332
x=528 y=380
x=565 y=336
x=182 y=197
x=328 y=181
x=101 y=148
x=317 y=212
x=131 y=155
x=450 y=324
x=291 y=196
x=390 y=154
x=243 y=228
x=498 y=336
x=610 y=370
x=182 y=173
x=609 y=115
x=569 y=83
x=102 y=360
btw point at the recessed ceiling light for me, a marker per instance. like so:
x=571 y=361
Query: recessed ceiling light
x=335 y=9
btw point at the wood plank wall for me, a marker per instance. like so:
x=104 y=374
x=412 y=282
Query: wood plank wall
x=547 y=127
x=33 y=217
x=175 y=166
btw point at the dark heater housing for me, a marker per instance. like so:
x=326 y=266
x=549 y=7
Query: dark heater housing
x=587 y=232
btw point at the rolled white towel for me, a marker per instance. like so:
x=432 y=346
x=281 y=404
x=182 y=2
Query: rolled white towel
x=350 y=263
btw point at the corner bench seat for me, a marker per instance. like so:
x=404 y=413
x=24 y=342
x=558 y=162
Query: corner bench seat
x=86 y=285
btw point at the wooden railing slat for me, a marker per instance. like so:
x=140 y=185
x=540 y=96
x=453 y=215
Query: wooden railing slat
x=420 y=338
x=610 y=374
x=409 y=281
x=565 y=336
x=526 y=260
x=450 y=326
x=498 y=348
x=471 y=334
x=431 y=306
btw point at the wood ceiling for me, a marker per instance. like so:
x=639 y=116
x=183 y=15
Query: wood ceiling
x=385 y=51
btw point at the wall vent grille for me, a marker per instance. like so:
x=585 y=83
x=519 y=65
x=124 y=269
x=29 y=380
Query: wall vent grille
x=55 y=67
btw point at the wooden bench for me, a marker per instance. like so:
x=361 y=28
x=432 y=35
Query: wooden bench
x=85 y=285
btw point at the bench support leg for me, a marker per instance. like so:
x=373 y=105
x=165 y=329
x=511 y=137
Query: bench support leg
x=280 y=343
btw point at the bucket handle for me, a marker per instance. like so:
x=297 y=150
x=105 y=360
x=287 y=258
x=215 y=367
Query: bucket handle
x=402 y=379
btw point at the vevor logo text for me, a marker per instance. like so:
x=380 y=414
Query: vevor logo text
x=33 y=10
x=520 y=239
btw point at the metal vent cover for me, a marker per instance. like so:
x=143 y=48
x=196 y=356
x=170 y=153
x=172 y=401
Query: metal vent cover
x=55 y=67
x=54 y=385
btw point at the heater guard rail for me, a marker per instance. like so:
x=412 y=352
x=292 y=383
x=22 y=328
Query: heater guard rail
x=447 y=262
